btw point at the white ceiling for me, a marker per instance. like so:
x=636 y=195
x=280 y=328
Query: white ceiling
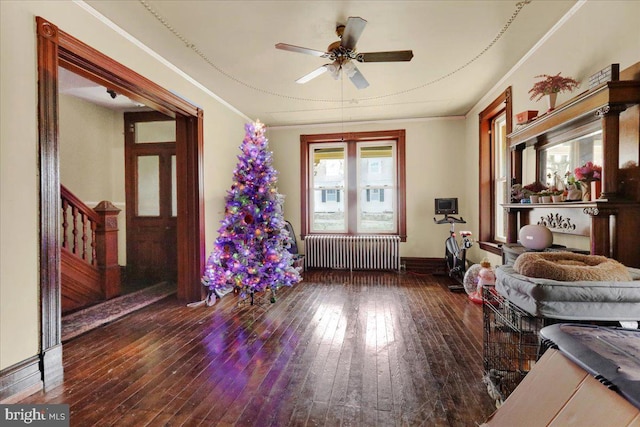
x=460 y=52
x=72 y=84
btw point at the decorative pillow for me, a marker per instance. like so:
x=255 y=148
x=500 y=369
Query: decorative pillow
x=571 y=267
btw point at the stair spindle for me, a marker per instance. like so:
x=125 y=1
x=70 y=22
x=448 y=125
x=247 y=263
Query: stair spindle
x=94 y=257
x=65 y=223
x=85 y=220
x=74 y=229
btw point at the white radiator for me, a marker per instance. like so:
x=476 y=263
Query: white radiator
x=352 y=252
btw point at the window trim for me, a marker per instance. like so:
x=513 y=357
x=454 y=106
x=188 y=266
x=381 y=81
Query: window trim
x=486 y=202
x=500 y=177
x=398 y=136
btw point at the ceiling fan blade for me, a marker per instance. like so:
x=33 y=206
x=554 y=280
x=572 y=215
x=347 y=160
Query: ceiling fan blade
x=298 y=49
x=353 y=30
x=392 y=56
x=358 y=79
x=312 y=75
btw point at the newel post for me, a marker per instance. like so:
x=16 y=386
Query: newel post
x=107 y=248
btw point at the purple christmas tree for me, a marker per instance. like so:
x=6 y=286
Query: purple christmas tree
x=251 y=252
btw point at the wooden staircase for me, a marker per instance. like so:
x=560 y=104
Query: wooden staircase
x=89 y=254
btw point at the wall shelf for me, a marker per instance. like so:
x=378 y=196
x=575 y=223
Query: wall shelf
x=608 y=98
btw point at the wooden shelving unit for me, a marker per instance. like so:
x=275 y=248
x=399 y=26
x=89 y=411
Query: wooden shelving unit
x=612 y=222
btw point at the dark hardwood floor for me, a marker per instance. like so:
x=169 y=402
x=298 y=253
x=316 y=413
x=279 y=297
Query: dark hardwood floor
x=359 y=349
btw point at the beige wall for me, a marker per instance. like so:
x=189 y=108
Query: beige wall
x=434 y=158
x=91 y=150
x=19 y=277
x=595 y=35
x=92 y=157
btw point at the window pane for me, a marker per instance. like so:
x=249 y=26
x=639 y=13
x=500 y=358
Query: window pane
x=376 y=187
x=501 y=198
x=500 y=132
x=377 y=214
x=148 y=186
x=328 y=204
x=155 y=132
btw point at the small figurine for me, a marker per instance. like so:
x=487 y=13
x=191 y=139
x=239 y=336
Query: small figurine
x=486 y=277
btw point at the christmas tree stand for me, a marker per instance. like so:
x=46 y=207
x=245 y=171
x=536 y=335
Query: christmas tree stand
x=259 y=299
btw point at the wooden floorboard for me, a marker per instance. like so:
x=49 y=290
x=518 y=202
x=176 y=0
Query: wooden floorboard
x=338 y=349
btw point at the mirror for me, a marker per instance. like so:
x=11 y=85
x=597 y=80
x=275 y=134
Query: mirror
x=561 y=159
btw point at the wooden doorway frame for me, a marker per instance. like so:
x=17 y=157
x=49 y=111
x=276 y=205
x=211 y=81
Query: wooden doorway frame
x=57 y=48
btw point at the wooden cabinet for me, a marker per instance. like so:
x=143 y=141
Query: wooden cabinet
x=612 y=222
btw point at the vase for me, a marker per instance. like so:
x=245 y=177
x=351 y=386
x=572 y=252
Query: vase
x=586 y=191
x=551 y=101
x=545 y=199
x=557 y=198
x=534 y=198
x=596 y=190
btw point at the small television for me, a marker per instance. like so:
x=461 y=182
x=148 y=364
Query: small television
x=448 y=206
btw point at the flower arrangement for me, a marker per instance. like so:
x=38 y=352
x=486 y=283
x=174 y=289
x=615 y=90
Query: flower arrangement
x=552 y=84
x=588 y=172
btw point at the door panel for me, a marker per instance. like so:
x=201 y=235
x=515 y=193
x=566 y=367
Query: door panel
x=151 y=198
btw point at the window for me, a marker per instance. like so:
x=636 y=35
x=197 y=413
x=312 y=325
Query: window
x=497 y=171
x=375 y=195
x=499 y=133
x=330 y=196
x=353 y=186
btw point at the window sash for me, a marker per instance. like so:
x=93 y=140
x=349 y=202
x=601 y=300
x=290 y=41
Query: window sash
x=376 y=173
x=330 y=170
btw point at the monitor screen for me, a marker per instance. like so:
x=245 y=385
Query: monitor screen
x=447 y=206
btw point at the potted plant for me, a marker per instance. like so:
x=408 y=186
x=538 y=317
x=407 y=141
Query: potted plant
x=557 y=196
x=551 y=86
x=533 y=190
x=589 y=174
x=545 y=196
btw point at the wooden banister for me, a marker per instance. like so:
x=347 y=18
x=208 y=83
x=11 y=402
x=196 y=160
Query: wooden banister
x=75 y=201
x=79 y=224
x=91 y=235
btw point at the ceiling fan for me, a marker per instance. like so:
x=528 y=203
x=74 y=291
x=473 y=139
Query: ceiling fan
x=344 y=51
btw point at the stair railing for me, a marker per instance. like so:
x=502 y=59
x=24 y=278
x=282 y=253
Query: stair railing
x=92 y=236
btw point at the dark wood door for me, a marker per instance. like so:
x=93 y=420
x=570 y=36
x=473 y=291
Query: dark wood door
x=150 y=170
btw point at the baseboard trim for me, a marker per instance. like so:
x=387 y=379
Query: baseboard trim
x=20 y=380
x=424 y=265
x=51 y=367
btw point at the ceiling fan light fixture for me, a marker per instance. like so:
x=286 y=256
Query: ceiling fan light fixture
x=349 y=68
x=334 y=70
